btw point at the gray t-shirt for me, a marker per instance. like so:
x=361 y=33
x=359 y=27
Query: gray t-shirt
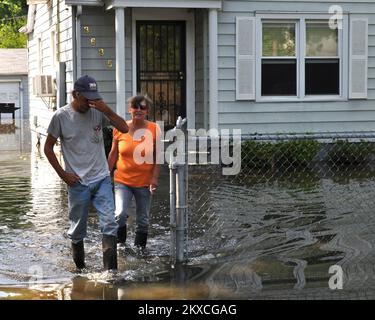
x=82 y=144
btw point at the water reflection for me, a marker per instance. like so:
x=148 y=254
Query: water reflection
x=33 y=223
x=15 y=179
x=268 y=235
x=259 y=236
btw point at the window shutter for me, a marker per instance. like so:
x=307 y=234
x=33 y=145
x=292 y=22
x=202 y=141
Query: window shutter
x=245 y=58
x=358 y=58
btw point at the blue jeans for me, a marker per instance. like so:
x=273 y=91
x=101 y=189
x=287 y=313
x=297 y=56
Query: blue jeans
x=101 y=196
x=123 y=197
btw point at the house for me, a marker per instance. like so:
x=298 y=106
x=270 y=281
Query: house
x=259 y=66
x=14 y=81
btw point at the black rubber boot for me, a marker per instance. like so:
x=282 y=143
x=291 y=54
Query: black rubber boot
x=121 y=234
x=140 y=239
x=109 y=244
x=79 y=254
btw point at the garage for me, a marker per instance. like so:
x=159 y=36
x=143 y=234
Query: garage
x=10 y=93
x=14 y=83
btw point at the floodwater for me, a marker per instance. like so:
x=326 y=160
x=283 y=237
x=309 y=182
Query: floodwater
x=254 y=238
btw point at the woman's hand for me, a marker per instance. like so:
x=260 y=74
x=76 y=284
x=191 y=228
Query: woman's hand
x=153 y=185
x=153 y=188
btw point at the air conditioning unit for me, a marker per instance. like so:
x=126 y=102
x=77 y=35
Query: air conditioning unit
x=43 y=86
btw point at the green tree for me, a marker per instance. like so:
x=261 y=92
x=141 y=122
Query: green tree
x=12 y=17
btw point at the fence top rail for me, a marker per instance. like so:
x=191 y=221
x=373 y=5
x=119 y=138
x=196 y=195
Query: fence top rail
x=281 y=137
x=314 y=136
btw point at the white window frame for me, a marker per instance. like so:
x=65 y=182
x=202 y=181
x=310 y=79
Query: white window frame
x=39 y=53
x=53 y=46
x=300 y=19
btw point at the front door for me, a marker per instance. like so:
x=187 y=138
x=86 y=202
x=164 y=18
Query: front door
x=161 y=68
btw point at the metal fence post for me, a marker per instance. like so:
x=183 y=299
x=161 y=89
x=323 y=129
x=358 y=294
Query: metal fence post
x=178 y=202
x=172 y=203
x=181 y=202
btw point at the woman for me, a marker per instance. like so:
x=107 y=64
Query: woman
x=137 y=170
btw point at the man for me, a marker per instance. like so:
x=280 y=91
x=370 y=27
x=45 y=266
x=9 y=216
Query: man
x=79 y=127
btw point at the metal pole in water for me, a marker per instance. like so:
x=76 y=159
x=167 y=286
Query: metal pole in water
x=180 y=210
x=172 y=202
x=181 y=199
x=186 y=185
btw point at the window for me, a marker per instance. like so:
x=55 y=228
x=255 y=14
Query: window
x=300 y=58
x=54 y=48
x=322 y=61
x=279 y=60
x=39 y=54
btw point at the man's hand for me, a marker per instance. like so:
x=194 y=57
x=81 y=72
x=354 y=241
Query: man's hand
x=118 y=122
x=70 y=178
x=99 y=105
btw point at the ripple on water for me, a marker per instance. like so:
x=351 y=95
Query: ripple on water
x=246 y=234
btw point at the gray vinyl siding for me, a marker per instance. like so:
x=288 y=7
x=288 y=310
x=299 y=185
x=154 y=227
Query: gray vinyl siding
x=128 y=54
x=65 y=46
x=25 y=97
x=275 y=117
x=44 y=20
x=199 y=69
x=102 y=27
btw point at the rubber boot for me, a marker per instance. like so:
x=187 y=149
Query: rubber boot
x=140 y=239
x=79 y=254
x=109 y=244
x=121 y=234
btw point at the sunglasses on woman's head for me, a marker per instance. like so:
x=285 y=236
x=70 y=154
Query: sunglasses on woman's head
x=139 y=106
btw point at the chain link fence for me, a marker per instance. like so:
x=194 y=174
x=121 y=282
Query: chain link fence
x=299 y=205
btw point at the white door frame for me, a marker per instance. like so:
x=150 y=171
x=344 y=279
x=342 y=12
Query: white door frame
x=170 y=14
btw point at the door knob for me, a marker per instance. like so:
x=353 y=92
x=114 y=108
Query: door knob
x=181 y=75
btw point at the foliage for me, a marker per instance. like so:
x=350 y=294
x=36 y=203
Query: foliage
x=351 y=153
x=295 y=153
x=12 y=17
x=257 y=154
x=283 y=154
x=278 y=39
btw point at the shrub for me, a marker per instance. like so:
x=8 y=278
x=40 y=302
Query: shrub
x=350 y=153
x=283 y=154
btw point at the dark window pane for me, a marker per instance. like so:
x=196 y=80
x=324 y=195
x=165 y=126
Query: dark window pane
x=279 y=77
x=322 y=76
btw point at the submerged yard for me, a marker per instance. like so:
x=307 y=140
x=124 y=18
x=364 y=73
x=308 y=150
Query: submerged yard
x=254 y=238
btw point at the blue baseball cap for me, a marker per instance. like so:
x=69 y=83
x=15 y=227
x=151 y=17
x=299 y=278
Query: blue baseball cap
x=88 y=87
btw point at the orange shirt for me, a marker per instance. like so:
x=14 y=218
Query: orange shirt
x=131 y=151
